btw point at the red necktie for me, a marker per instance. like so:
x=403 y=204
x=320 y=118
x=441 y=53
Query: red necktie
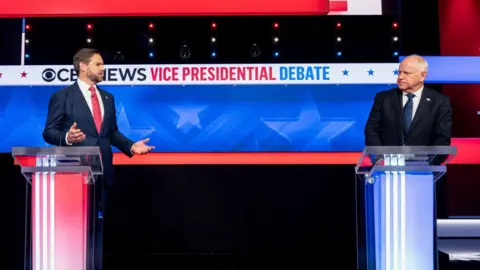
x=97 y=113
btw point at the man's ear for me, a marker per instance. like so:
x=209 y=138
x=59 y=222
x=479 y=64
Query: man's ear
x=83 y=66
x=424 y=75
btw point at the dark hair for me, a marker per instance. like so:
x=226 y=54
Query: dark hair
x=83 y=56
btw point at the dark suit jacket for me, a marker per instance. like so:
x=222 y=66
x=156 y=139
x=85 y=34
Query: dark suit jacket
x=431 y=125
x=68 y=106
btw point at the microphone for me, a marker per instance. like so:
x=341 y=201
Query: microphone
x=401 y=120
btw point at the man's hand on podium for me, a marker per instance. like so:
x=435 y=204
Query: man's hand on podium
x=141 y=148
x=74 y=135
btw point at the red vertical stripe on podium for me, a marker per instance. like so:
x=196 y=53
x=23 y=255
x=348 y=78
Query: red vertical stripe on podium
x=59 y=221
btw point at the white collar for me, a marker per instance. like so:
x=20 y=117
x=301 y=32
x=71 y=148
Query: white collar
x=85 y=86
x=417 y=94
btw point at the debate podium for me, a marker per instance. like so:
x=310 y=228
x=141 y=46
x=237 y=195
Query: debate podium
x=396 y=213
x=60 y=228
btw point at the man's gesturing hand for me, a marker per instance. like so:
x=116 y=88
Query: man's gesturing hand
x=141 y=148
x=75 y=135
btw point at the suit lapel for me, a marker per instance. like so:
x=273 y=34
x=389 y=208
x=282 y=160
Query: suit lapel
x=82 y=105
x=423 y=108
x=106 y=108
x=397 y=104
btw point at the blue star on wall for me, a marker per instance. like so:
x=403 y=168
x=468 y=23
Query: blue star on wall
x=370 y=72
x=395 y=72
x=187 y=116
x=345 y=72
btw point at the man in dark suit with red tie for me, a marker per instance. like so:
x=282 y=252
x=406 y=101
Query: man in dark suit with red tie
x=84 y=115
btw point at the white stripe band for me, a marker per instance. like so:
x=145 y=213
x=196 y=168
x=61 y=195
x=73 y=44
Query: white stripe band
x=44 y=221
x=52 y=221
x=37 y=220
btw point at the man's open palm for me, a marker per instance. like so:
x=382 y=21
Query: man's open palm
x=141 y=148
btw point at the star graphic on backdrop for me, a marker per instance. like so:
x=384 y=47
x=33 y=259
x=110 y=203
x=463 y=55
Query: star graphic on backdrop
x=135 y=134
x=308 y=130
x=395 y=72
x=331 y=128
x=345 y=72
x=187 y=116
x=370 y=72
x=24 y=74
x=290 y=128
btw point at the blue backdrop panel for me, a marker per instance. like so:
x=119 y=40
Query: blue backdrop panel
x=453 y=69
x=219 y=118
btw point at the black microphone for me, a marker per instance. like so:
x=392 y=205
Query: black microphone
x=400 y=113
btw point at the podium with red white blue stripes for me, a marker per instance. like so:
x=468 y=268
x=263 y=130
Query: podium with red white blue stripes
x=60 y=227
x=396 y=213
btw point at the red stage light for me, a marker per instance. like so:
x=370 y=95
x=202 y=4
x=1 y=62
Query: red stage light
x=151 y=25
x=276 y=25
x=214 y=25
x=395 y=25
x=89 y=26
x=27 y=26
x=339 y=25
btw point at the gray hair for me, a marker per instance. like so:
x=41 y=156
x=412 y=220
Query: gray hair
x=422 y=62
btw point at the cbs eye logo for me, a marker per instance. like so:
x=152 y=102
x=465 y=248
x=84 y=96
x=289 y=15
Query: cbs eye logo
x=49 y=75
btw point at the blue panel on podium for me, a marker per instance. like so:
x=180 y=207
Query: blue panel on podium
x=401 y=222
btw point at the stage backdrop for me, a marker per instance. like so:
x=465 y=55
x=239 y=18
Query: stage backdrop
x=226 y=108
x=236 y=108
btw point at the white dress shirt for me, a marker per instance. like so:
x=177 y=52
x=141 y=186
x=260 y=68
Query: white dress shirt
x=87 y=94
x=415 y=100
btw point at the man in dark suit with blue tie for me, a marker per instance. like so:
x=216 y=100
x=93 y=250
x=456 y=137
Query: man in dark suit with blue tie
x=410 y=114
x=84 y=115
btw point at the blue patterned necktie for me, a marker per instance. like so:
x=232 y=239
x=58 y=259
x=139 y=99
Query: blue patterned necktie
x=408 y=113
